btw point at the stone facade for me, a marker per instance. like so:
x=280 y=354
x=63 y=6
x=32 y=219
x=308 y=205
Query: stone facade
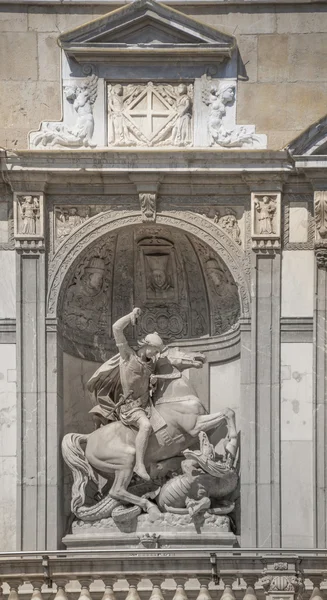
x=174 y=161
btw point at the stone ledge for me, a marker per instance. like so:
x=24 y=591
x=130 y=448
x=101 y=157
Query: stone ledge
x=170 y=2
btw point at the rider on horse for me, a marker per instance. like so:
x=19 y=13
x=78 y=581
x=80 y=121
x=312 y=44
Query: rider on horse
x=136 y=370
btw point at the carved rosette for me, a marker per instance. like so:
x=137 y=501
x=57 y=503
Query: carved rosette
x=320 y=207
x=266 y=211
x=29 y=221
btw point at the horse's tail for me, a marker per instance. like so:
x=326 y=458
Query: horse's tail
x=74 y=457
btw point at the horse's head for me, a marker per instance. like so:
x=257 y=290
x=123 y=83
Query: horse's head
x=183 y=359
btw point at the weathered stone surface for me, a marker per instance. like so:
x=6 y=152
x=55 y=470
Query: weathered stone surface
x=298 y=222
x=279 y=139
x=48 y=57
x=42 y=18
x=301 y=19
x=296 y=392
x=8 y=291
x=22 y=50
x=20 y=102
x=248 y=49
x=71 y=17
x=297 y=509
x=12 y=138
x=8 y=517
x=233 y=21
x=297 y=283
x=13 y=18
x=307 y=56
x=273 y=58
x=291 y=106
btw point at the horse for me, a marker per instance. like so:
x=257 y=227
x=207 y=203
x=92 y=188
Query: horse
x=110 y=449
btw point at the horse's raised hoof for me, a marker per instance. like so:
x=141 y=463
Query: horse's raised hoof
x=154 y=513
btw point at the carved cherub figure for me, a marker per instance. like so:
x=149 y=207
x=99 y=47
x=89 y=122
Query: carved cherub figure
x=82 y=97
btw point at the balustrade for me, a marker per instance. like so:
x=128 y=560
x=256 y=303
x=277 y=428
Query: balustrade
x=164 y=575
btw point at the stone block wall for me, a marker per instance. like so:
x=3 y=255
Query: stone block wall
x=283 y=52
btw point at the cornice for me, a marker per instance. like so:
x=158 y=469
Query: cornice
x=195 y=160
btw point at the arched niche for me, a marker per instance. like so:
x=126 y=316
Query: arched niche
x=185 y=290
x=196 y=255
x=96 y=229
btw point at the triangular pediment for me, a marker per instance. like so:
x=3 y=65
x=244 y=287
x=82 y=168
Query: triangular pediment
x=312 y=141
x=142 y=25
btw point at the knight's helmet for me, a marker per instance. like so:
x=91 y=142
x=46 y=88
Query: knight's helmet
x=154 y=340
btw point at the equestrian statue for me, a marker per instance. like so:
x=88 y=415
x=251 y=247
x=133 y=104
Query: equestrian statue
x=148 y=418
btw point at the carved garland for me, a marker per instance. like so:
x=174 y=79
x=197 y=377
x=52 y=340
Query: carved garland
x=100 y=225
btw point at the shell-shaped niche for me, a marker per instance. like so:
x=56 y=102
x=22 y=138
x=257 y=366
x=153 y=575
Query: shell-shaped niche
x=184 y=289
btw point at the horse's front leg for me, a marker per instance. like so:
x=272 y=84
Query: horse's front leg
x=119 y=492
x=208 y=422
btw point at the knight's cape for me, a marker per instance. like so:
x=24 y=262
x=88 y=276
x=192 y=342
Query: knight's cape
x=105 y=388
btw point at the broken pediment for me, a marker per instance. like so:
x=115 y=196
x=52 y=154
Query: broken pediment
x=146 y=28
x=312 y=140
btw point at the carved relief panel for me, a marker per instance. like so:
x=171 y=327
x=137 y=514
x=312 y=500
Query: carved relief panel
x=28 y=216
x=150 y=114
x=86 y=305
x=230 y=219
x=183 y=289
x=266 y=216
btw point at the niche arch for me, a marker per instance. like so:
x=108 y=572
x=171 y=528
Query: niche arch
x=104 y=224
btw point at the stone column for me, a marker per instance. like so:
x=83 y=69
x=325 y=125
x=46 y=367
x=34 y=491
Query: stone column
x=31 y=375
x=320 y=368
x=247 y=426
x=262 y=460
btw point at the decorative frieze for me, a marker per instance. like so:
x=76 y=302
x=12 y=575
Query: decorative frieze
x=266 y=220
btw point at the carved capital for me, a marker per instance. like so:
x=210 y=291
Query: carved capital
x=29 y=222
x=148 y=204
x=265 y=211
x=321 y=254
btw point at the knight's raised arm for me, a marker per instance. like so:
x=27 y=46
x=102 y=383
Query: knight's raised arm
x=118 y=331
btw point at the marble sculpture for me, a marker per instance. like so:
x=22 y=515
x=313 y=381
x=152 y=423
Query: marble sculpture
x=153 y=440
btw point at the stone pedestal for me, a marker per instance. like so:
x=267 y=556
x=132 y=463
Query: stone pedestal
x=172 y=531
